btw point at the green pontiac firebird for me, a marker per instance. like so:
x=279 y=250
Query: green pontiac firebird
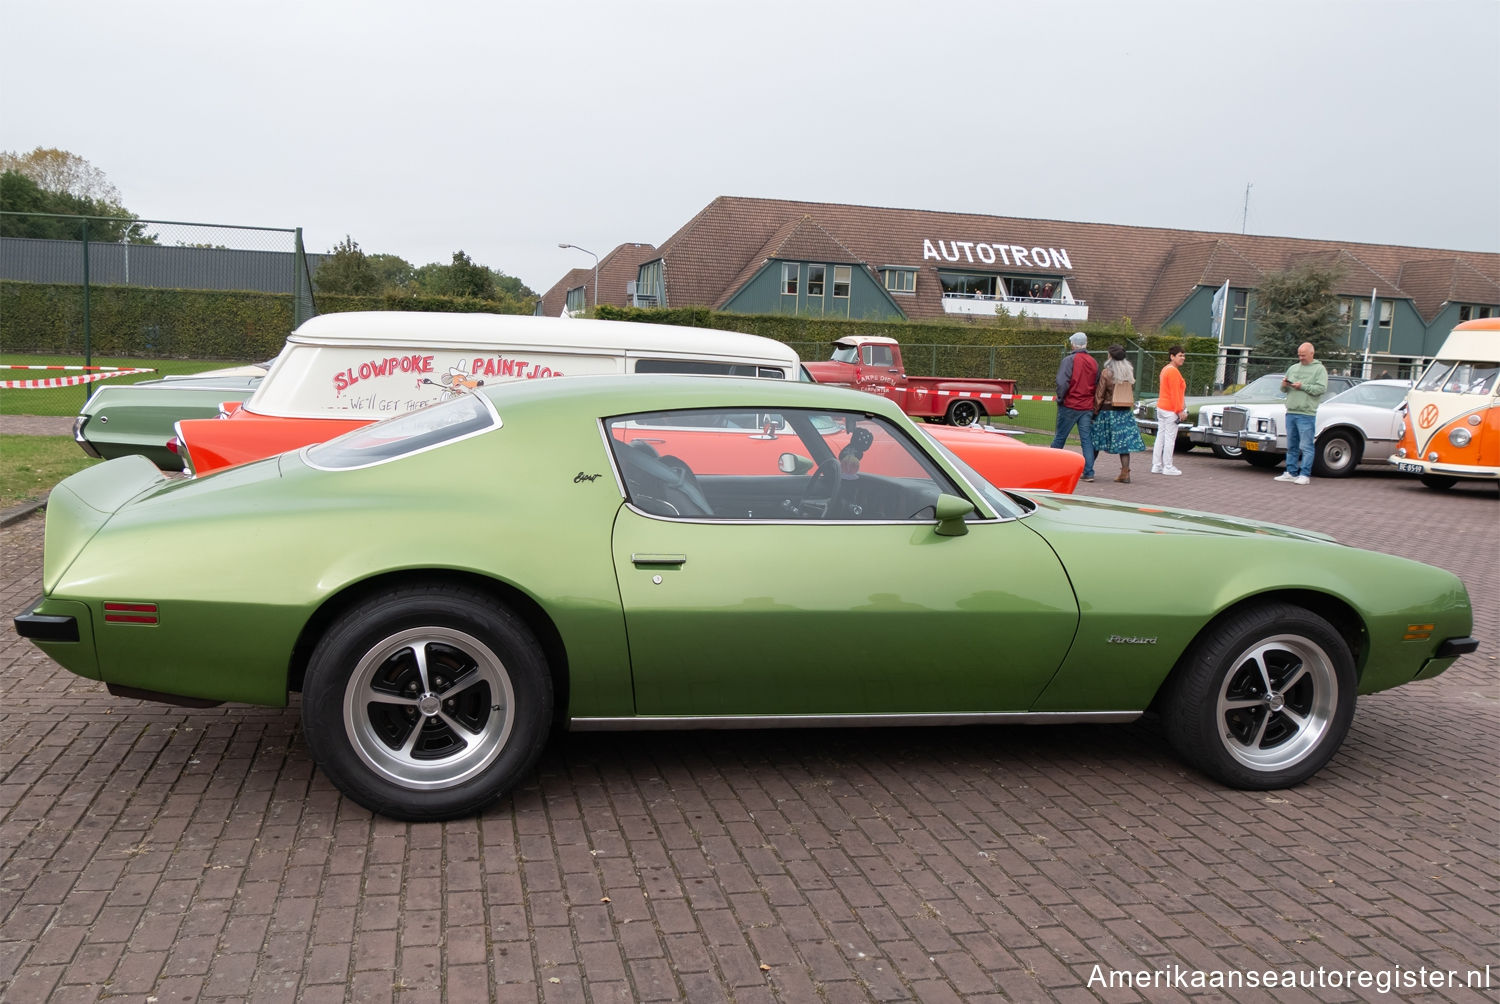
x=670 y=552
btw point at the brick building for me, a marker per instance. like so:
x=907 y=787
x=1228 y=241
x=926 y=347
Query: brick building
x=757 y=256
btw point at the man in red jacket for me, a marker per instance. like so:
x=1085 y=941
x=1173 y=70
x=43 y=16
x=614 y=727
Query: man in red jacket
x=1075 y=399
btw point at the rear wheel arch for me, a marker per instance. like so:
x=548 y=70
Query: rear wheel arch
x=503 y=595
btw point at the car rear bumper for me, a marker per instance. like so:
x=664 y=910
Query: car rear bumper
x=38 y=627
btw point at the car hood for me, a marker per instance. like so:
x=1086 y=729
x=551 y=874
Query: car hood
x=1066 y=516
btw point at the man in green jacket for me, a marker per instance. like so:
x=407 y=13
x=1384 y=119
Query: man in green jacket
x=1304 y=383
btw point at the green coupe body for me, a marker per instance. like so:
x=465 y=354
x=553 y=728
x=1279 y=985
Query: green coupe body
x=668 y=552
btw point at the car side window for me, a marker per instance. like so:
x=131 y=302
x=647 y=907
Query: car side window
x=791 y=464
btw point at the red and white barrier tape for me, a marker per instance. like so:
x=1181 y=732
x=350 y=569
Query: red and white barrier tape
x=72 y=381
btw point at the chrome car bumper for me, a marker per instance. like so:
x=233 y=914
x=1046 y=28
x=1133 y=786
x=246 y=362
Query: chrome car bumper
x=88 y=447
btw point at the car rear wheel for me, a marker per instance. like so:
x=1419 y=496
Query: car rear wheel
x=426 y=703
x=1226 y=452
x=1336 y=455
x=1263 y=459
x=1264 y=698
x=964 y=412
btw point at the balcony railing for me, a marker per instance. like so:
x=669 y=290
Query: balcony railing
x=1051 y=308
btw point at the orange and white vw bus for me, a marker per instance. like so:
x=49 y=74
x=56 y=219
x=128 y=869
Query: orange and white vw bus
x=1453 y=410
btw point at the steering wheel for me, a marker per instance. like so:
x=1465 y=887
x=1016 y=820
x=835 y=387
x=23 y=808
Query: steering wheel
x=684 y=473
x=831 y=472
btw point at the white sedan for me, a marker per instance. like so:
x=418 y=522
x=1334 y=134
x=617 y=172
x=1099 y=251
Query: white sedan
x=1358 y=426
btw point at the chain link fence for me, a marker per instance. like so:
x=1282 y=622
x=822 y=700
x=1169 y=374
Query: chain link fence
x=83 y=286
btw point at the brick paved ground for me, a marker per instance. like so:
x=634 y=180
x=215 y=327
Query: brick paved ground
x=158 y=854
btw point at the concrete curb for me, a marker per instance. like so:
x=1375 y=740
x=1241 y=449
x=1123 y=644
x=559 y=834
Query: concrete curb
x=19 y=512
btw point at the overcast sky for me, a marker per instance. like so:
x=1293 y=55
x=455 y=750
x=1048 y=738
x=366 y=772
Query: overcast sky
x=504 y=128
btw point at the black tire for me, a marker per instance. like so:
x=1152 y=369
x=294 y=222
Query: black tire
x=475 y=706
x=1228 y=708
x=1266 y=460
x=1225 y=452
x=1438 y=482
x=964 y=412
x=1183 y=446
x=1337 y=454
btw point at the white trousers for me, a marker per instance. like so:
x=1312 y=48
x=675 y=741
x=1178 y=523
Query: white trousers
x=1166 y=439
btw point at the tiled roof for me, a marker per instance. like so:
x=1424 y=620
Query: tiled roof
x=1141 y=272
x=1446 y=280
x=615 y=269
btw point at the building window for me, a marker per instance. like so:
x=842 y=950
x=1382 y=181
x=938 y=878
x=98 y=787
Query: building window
x=815 y=277
x=1473 y=312
x=901 y=280
x=790 y=272
x=1387 y=311
x=648 y=291
x=1241 y=304
x=842 y=276
x=1346 y=312
x=576 y=299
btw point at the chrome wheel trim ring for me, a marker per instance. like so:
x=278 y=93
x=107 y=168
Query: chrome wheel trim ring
x=365 y=705
x=1277 y=703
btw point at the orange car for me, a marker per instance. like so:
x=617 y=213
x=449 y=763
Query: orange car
x=339 y=372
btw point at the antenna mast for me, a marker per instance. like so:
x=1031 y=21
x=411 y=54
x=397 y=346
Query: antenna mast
x=1245 y=218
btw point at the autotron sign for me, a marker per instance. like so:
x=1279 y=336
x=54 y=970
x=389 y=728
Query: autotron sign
x=989 y=253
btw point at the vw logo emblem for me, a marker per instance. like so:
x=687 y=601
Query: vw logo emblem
x=1428 y=416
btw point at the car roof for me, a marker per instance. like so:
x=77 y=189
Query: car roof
x=414 y=330
x=620 y=394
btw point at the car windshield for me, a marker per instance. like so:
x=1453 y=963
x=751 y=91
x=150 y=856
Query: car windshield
x=845 y=354
x=413 y=432
x=1262 y=387
x=1008 y=506
x=1379 y=395
x=1467 y=377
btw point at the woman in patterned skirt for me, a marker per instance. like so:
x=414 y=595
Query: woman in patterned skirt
x=1114 y=398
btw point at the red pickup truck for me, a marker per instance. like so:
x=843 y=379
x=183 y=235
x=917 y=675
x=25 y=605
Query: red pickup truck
x=873 y=363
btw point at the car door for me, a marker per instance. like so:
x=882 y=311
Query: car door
x=862 y=613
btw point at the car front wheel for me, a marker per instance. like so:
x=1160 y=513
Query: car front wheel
x=426 y=704
x=1226 y=452
x=1264 y=699
x=1336 y=455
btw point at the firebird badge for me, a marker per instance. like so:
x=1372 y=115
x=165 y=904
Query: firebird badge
x=1119 y=639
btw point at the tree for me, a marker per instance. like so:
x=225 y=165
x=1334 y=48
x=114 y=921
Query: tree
x=394 y=273
x=62 y=172
x=19 y=193
x=468 y=279
x=346 y=270
x=1295 y=306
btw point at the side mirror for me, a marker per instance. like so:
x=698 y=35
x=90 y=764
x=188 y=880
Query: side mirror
x=951 y=511
x=793 y=463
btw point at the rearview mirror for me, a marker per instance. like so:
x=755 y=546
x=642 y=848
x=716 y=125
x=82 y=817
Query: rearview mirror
x=793 y=463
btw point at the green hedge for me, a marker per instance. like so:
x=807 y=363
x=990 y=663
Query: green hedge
x=47 y=319
x=1020 y=351
x=130 y=321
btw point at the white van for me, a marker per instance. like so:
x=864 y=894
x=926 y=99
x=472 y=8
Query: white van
x=1453 y=411
x=339 y=371
x=379 y=362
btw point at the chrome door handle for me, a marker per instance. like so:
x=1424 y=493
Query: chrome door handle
x=658 y=559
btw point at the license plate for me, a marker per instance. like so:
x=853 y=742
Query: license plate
x=1409 y=468
x=1252 y=445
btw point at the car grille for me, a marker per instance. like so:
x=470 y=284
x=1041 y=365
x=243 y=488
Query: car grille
x=1234 y=419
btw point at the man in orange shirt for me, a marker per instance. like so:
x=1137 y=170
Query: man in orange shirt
x=1171 y=408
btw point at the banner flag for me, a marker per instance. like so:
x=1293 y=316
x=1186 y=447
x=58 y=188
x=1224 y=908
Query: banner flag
x=1216 y=314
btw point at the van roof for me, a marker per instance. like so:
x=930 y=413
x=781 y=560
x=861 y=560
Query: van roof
x=1476 y=340
x=414 y=329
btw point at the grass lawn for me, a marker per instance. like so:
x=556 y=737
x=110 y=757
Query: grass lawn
x=31 y=465
x=67 y=400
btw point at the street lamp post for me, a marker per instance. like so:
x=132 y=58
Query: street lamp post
x=591 y=254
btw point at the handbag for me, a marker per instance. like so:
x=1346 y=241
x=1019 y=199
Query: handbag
x=1121 y=396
